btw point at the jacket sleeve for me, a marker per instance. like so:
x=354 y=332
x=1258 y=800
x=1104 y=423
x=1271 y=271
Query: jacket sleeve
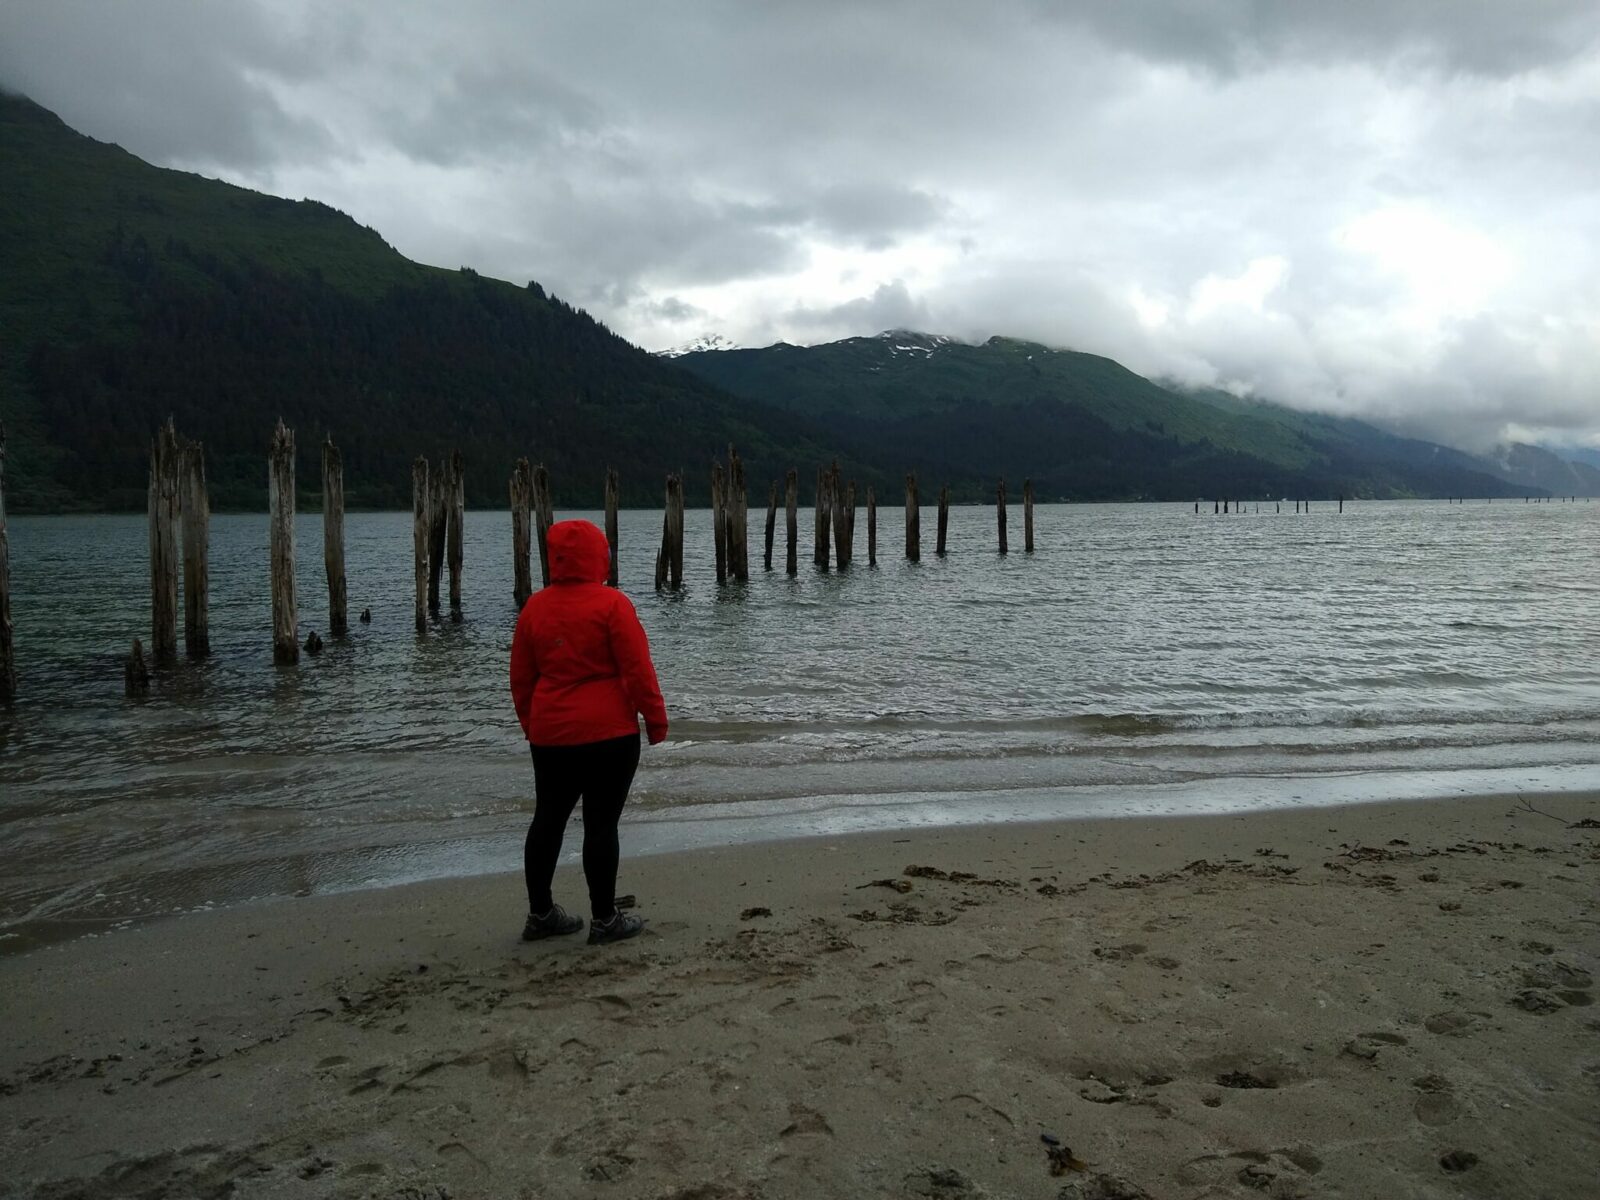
x=524 y=670
x=631 y=649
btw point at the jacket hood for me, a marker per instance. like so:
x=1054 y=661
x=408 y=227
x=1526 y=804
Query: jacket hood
x=579 y=552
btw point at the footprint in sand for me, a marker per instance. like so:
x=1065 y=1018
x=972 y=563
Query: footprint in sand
x=1436 y=1103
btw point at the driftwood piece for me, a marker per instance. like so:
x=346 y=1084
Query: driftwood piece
x=544 y=515
x=1000 y=512
x=332 y=539
x=419 y=538
x=913 y=519
x=944 y=519
x=280 y=503
x=456 y=530
x=1027 y=516
x=521 y=536
x=163 y=513
x=612 y=490
x=8 y=656
x=772 y=523
x=791 y=498
x=135 y=675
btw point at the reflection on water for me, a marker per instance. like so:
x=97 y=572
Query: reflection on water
x=1140 y=647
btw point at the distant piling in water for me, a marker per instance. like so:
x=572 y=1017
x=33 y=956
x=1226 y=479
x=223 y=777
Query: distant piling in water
x=163 y=514
x=8 y=657
x=719 y=520
x=613 y=489
x=194 y=508
x=280 y=503
x=913 y=520
x=1000 y=513
x=772 y=524
x=544 y=515
x=791 y=500
x=438 y=518
x=942 y=529
x=669 y=561
x=420 y=518
x=332 y=539
x=1027 y=516
x=872 y=526
x=521 y=531
x=455 y=530
x=738 y=519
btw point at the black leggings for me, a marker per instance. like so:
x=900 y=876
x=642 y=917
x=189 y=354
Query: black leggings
x=601 y=773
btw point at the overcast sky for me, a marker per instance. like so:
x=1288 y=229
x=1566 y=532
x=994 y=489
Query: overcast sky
x=1383 y=207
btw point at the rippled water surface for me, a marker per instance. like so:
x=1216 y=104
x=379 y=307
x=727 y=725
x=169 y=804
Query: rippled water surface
x=1141 y=658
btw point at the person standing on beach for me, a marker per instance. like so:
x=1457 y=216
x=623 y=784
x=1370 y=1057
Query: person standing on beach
x=581 y=677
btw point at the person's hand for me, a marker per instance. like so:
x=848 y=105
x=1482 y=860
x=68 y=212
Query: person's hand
x=656 y=733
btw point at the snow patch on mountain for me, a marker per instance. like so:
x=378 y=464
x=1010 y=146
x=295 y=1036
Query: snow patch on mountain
x=706 y=341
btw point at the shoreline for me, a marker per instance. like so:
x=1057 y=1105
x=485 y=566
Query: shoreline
x=1304 y=1002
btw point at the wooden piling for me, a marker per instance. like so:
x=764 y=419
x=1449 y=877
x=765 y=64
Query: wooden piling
x=163 y=513
x=944 y=519
x=738 y=507
x=719 y=520
x=674 y=531
x=791 y=498
x=1027 y=516
x=280 y=504
x=455 y=530
x=135 y=675
x=332 y=538
x=544 y=516
x=872 y=526
x=438 y=514
x=612 y=490
x=772 y=523
x=1000 y=512
x=836 y=515
x=194 y=510
x=521 y=535
x=8 y=659
x=824 y=504
x=420 y=521
x=913 y=520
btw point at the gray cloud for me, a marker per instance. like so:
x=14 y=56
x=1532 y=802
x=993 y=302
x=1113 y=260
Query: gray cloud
x=1384 y=207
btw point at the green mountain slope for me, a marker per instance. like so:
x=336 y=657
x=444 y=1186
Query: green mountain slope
x=130 y=292
x=1083 y=426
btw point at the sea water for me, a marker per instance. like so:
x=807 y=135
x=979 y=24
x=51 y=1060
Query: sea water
x=1144 y=659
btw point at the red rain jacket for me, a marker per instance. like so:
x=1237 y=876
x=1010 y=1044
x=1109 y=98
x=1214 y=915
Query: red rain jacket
x=580 y=662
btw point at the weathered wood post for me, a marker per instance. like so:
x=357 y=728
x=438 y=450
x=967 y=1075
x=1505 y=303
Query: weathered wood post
x=456 y=529
x=332 y=538
x=194 y=508
x=612 y=489
x=8 y=660
x=836 y=515
x=772 y=522
x=135 y=675
x=163 y=509
x=850 y=521
x=791 y=499
x=824 y=505
x=719 y=520
x=738 y=519
x=544 y=516
x=944 y=519
x=1000 y=512
x=913 y=520
x=438 y=493
x=872 y=526
x=280 y=502
x=675 y=531
x=420 y=514
x=1341 y=501
x=1027 y=516
x=521 y=536
x=661 y=555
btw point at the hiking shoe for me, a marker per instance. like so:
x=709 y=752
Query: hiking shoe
x=555 y=923
x=621 y=926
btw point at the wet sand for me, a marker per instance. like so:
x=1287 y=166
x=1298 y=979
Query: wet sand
x=1380 y=1000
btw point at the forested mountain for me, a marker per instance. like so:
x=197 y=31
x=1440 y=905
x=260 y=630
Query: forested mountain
x=1081 y=425
x=130 y=292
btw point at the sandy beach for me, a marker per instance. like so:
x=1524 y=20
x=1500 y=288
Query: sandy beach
x=1386 y=1000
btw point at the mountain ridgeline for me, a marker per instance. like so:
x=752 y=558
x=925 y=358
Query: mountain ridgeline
x=132 y=292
